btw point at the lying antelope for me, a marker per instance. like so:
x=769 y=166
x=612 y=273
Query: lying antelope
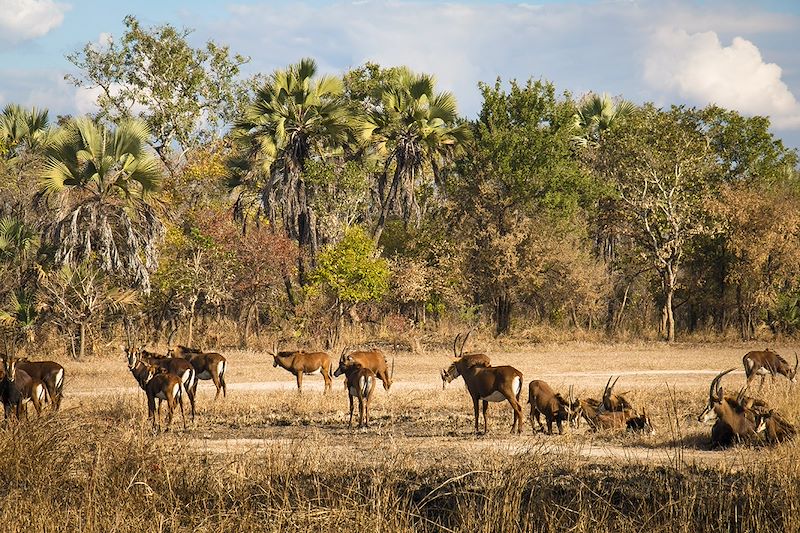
x=489 y=384
x=50 y=373
x=371 y=359
x=207 y=365
x=360 y=383
x=613 y=402
x=768 y=363
x=300 y=362
x=17 y=388
x=174 y=365
x=545 y=401
x=734 y=422
x=477 y=359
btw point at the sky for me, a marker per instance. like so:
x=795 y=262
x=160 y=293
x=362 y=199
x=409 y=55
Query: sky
x=738 y=54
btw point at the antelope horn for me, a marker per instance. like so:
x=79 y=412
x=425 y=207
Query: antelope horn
x=171 y=334
x=274 y=348
x=391 y=372
x=605 y=390
x=796 y=362
x=571 y=397
x=464 y=343
x=715 y=381
x=455 y=344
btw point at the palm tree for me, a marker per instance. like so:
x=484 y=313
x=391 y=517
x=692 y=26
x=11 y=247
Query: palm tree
x=23 y=131
x=293 y=117
x=103 y=179
x=414 y=127
x=596 y=114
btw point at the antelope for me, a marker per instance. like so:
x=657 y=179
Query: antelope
x=207 y=365
x=50 y=373
x=613 y=402
x=178 y=366
x=734 y=422
x=489 y=384
x=360 y=383
x=17 y=388
x=552 y=405
x=477 y=359
x=767 y=362
x=301 y=362
x=371 y=359
x=158 y=384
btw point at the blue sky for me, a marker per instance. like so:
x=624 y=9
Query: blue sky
x=739 y=54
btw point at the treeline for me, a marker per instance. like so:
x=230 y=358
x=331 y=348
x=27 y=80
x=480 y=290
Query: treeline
x=301 y=202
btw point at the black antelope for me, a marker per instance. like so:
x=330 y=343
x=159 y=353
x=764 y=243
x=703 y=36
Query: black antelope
x=48 y=372
x=545 y=401
x=371 y=359
x=175 y=365
x=734 y=421
x=476 y=359
x=489 y=384
x=299 y=363
x=768 y=363
x=360 y=382
x=207 y=365
x=17 y=388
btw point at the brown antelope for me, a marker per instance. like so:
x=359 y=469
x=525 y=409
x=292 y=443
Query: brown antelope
x=767 y=362
x=207 y=365
x=734 y=423
x=300 y=362
x=17 y=388
x=552 y=405
x=477 y=359
x=613 y=402
x=48 y=372
x=371 y=359
x=178 y=366
x=360 y=383
x=489 y=384
x=162 y=385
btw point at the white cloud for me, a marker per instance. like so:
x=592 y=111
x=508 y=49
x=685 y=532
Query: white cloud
x=700 y=68
x=21 y=20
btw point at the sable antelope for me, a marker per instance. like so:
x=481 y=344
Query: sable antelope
x=17 y=388
x=301 y=362
x=371 y=359
x=641 y=423
x=50 y=373
x=613 y=402
x=474 y=359
x=777 y=429
x=162 y=385
x=734 y=423
x=552 y=405
x=178 y=366
x=360 y=383
x=207 y=365
x=489 y=384
x=767 y=362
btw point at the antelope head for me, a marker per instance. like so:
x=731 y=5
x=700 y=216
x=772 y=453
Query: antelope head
x=344 y=362
x=574 y=409
x=10 y=367
x=715 y=398
x=274 y=354
x=450 y=373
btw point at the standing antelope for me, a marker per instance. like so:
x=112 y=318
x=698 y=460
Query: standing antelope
x=476 y=359
x=207 y=365
x=158 y=384
x=301 y=362
x=50 y=373
x=360 y=383
x=552 y=405
x=174 y=365
x=17 y=388
x=767 y=362
x=489 y=384
x=734 y=422
x=371 y=359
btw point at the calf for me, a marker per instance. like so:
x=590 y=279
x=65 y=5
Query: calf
x=545 y=401
x=50 y=373
x=371 y=359
x=17 y=388
x=360 y=385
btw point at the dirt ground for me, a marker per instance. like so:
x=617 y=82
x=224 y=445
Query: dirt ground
x=419 y=423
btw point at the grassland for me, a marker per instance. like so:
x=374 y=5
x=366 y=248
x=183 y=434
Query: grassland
x=269 y=459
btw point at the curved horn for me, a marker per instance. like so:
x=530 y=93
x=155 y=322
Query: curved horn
x=605 y=389
x=715 y=381
x=796 y=362
x=455 y=345
x=391 y=372
x=464 y=343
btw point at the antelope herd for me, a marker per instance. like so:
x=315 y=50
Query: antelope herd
x=737 y=417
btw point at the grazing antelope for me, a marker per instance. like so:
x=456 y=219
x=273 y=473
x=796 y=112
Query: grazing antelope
x=300 y=362
x=178 y=366
x=371 y=359
x=360 y=383
x=489 y=384
x=207 y=365
x=477 y=359
x=767 y=362
x=552 y=405
x=734 y=423
x=17 y=388
x=50 y=373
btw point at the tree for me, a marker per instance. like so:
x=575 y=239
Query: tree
x=185 y=95
x=416 y=128
x=597 y=114
x=295 y=117
x=101 y=180
x=661 y=166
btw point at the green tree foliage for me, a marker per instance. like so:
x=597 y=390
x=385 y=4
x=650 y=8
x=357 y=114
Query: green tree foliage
x=185 y=95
